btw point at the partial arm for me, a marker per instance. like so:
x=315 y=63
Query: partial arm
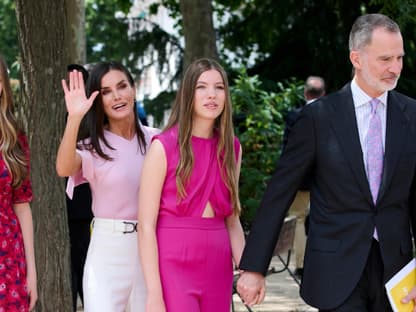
x=68 y=162
x=294 y=164
x=24 y=215
x=235 y=230
x=152 y=179
x=254 y=283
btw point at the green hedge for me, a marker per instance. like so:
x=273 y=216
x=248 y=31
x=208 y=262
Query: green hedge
x=259 y=124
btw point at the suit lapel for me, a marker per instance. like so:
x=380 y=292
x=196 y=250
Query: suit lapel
x=396 y=133
x=344 y=123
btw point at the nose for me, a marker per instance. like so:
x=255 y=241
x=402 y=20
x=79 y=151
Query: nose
x=212 y=92
x=116 y=94
x=397 y=66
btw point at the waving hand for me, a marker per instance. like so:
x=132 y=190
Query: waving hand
x=76 y=100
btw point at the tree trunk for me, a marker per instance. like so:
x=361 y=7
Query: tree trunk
x=42 y=28
x=76 y=27
x=198 y=30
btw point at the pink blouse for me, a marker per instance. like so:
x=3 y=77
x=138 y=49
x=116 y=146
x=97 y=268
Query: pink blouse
x=114 y=183
x=205 y=184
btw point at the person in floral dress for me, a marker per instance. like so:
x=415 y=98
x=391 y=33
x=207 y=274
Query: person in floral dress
x=17 y=261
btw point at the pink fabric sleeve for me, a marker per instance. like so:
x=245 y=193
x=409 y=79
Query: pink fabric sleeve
x=85 y=175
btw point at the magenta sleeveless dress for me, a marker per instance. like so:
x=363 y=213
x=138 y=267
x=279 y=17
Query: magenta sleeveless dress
x=195 y=258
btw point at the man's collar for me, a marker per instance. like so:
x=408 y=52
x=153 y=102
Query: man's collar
x=361 y=98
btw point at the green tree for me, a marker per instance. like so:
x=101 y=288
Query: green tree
x=107 y=36
x=297 y=38
x=8 y=35
x=259 y=122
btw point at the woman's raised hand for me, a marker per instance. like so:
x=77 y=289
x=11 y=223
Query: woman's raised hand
x=76 y=100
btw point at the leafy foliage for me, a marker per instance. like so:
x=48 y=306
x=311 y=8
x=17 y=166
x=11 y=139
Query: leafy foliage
x=107 y=36
x=158 y=106
x=259 y=122
x=135 y=40
x=8 y=36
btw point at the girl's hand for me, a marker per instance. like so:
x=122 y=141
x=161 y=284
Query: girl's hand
x=32 y=290
x=76 y=100
x=155 y=304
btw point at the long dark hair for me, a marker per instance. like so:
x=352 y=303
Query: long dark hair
x=96 y=120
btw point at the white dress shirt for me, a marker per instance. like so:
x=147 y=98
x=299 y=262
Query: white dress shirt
x=362 y=108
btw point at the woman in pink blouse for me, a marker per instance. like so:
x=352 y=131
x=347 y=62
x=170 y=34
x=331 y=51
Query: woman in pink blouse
x=189 y=228
x=109 y=156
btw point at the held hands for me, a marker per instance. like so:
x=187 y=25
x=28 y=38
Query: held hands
x=252 y=287
x=76 y=101
x=411 y=297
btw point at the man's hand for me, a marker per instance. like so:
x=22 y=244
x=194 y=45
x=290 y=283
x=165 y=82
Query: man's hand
x=411 y=297
x=252 y=287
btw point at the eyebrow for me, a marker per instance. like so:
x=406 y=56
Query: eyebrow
x=117 y=84
x=203 y=82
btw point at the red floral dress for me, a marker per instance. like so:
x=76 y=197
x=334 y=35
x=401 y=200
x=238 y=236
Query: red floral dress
x=13 y=286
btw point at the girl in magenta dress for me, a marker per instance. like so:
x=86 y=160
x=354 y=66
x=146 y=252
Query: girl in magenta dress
x=189 y=229
x=17 y=261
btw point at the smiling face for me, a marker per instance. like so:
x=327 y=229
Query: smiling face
x=209 y=97
x=378 y=65
x=117 y=96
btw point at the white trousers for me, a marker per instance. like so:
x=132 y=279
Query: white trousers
x=113 y=279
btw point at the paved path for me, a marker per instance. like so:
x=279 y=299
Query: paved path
x=282 y=295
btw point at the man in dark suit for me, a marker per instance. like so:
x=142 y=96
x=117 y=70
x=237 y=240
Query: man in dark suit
x=314 y=89
x=360 y=144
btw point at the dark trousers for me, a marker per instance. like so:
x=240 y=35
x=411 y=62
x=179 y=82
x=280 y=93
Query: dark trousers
x=79 y=235
x=369 y=295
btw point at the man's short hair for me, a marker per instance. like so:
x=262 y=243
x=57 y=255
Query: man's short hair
x=363 y=27
x=314 y=86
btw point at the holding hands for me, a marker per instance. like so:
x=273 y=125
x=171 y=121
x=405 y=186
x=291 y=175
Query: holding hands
x=76 y=100
x=252 y=287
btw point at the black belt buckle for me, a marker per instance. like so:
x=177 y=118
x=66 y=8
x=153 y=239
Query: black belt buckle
x=133 y=227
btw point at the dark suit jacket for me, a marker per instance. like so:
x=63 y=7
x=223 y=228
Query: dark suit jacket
x=290 y=120
x=342 y=215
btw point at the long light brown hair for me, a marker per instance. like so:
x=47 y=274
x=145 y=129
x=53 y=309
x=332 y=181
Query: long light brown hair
x=182 y=116
x=12 y=152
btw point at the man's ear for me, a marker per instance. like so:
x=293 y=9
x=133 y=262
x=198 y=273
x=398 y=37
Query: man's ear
x=355 y=58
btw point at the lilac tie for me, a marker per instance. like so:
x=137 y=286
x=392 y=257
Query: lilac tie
x=374 y=153
x=374 y=150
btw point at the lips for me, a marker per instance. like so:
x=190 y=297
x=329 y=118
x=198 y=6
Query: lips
x=211 y=105
x=118 y=106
